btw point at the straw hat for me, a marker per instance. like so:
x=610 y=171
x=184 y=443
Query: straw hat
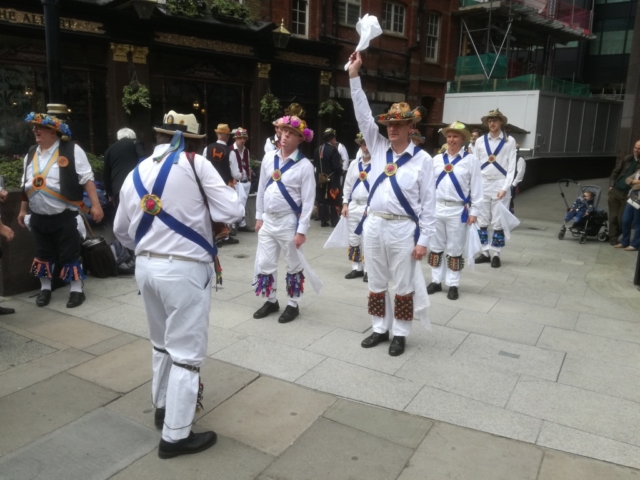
x=187 y=124
x=457 y=127
x=329 y=133
x=295 y=110
x=223 y=128
x=360 y=139
x=400 y=112
x=415 y=134
x=295 y=124
x=50 y=122
x=240 y=133
x=494 y=114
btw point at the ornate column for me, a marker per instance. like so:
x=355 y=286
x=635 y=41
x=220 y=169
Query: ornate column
x=261 y=130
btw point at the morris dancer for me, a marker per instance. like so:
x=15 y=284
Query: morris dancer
x=416 y=137
x=240 y=154
x=285 y=200
x=169 y=225
x=458 y=194
x=56 y=174
x=497 y=154
x=400 y=218
x=356 y=193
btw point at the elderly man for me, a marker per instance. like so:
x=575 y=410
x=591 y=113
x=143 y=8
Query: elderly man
x=56 y=174
x=166 y=207
x=400 y=216
x=240 y=153
x=619 y=190
x=458 y=194
x=119 y=159
x=283 y=210
x=356 y=193
x=497 y=154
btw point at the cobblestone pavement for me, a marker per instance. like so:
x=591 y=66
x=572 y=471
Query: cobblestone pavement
x=537 y=361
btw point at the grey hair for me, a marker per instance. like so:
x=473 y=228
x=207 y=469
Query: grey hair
x=126 y=133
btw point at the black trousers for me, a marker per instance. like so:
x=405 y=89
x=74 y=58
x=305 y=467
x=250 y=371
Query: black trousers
x=329 y=209
x=57 y=237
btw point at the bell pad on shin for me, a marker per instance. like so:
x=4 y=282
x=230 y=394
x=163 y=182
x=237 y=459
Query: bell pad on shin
x=435 y=259
x=484 y=236
x=498 y=238
x=377 y=304
x=403 y=307
x=455 y=263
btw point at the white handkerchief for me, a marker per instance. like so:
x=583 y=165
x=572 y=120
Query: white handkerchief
x=369 y=28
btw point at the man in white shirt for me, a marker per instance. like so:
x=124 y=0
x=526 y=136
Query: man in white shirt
x=56 y=175
x=356 y=193
x=521 y=167
x=400 y=216
x=458 y=194
x=166 y=207
x=240 y=154
x=285 y=200
x=497 y=154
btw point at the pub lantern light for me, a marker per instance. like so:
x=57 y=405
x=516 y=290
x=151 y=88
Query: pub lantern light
x=281 y=36
x=145 y=8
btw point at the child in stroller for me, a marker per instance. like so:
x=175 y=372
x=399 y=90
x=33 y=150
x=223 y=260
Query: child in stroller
x=588 y=221
x=582 y=207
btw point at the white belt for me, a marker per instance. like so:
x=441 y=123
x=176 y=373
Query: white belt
x=169 y=257
x=360 y=201
x=450 y=203
x=279 y=215
x=391 y=216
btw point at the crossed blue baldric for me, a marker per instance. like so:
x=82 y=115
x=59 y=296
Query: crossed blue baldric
x=488 y=148
x=456 y=183
x=365 y=182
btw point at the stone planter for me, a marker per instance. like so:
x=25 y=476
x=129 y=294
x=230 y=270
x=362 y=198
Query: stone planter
x=17 y=254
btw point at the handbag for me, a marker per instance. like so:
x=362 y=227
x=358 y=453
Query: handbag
x=323 y=178
x=634 y=202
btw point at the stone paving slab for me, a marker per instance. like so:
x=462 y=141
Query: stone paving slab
x=300 y=334
x=541 y=315
x=569 y=467
x=95 y=446
x=497 y=326
x=111 y=344
x=123 y=317
x=608 y=327
x=16 y=350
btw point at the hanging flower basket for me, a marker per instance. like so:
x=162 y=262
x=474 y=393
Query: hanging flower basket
x=330 y=108
x=135 y=94
x=270 y=107
x=186 y=8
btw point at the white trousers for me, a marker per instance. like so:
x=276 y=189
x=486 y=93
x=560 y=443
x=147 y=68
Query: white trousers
x=243 y=190
x=355 y=215
x=276 y=235
x=487 y=210
x=177 y=298
x=450 y=237
x=388 y=246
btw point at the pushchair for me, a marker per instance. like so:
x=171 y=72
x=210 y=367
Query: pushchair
x=593 y=225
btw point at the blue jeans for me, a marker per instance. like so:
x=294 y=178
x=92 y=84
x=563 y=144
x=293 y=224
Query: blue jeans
x=630 y=219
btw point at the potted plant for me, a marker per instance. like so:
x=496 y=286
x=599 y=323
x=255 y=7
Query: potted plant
x=186 y=8
x=330 y=109
x=230 y=10
x=135 y=94
x=270 y=107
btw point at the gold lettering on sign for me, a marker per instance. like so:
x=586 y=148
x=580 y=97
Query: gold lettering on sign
x=120 y=52
x=194 y=42
x=263 y=70
x=139 y=54
x=28 y=18
x=300 y=58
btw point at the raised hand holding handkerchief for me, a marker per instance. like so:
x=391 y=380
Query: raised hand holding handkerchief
x=369 y=28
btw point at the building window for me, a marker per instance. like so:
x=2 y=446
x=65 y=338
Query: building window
x=300 y=17
x=433 y=37
x=393 y=18
x=348 y=12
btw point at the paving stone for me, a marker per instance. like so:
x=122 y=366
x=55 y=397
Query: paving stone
x=358 y=383
x=539 y=314
x=586 y=444
x=608 y=327
x=220 y=381
x=554 y=285
x=28 y=315
x=16 y=350
x=93 y=304
x=270 y=358
x=220 y=338
x=569 y=467
x=522 y=294
x=268 y=415
x=610 y=417
x=559 y=267
x=440 y=314
x=340 y=315
x=439 y=338
x=470 y=301
x=120 y=370
x=46 y=406
x=126 y=318
x=493 y=325
x=227 y=459
x=35 y=371
x=584 y=345
x=228 y=315
x=345 y=345
x=459 y=376
x=111 y=344
x=608 y=378
x=231 y=289
x=75 y=332
x=397 y=427
x=551 y=253
x=596 y=305
x=450 y=452
x=449 y=407
x=509 y=356
x=131 y=298
x=300 y=334
x=95 y=446
x=333 y=451
x=110 y=287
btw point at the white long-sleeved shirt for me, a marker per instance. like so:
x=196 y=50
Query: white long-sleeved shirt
x=268 y=146
x=469 y=176
x=342 y=150
x=415 y=178
x=506 y=158
x=521 y=167
x=359 y=154
x=360 y=192
x=299 y=181
x=182 y=200
x=233 y=158
x=41 y=203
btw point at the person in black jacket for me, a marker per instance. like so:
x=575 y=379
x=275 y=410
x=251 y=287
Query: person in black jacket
x=120 y=159
x=618 y=191
x=328 y=165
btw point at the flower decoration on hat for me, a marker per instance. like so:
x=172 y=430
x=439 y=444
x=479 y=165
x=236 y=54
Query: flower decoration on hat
x=240 y=133
x=360 y=138
x=296 y=124
x=400 y=112
x=48 y=121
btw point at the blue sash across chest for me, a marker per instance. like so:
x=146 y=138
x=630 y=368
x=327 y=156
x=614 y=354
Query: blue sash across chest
x=448 y=171
x=493 y=157
x=361 y=178
x=276 y=177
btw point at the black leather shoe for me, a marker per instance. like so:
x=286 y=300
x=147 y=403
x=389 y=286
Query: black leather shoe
x=266 y=309
x=227 y=241
x=495 y=262
x=483 y=259
x=434 y=287
x=374 y=339
x=234 y=231
x=75 y=299
x=290 y=313
x=354 y=274
x=453 y=293
x=194 y=443
x=44 y=297
x=325 y=224
x=159 y=417
x=365 y=279
x=397 y=346
x=246 y=229
x=6 y=311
